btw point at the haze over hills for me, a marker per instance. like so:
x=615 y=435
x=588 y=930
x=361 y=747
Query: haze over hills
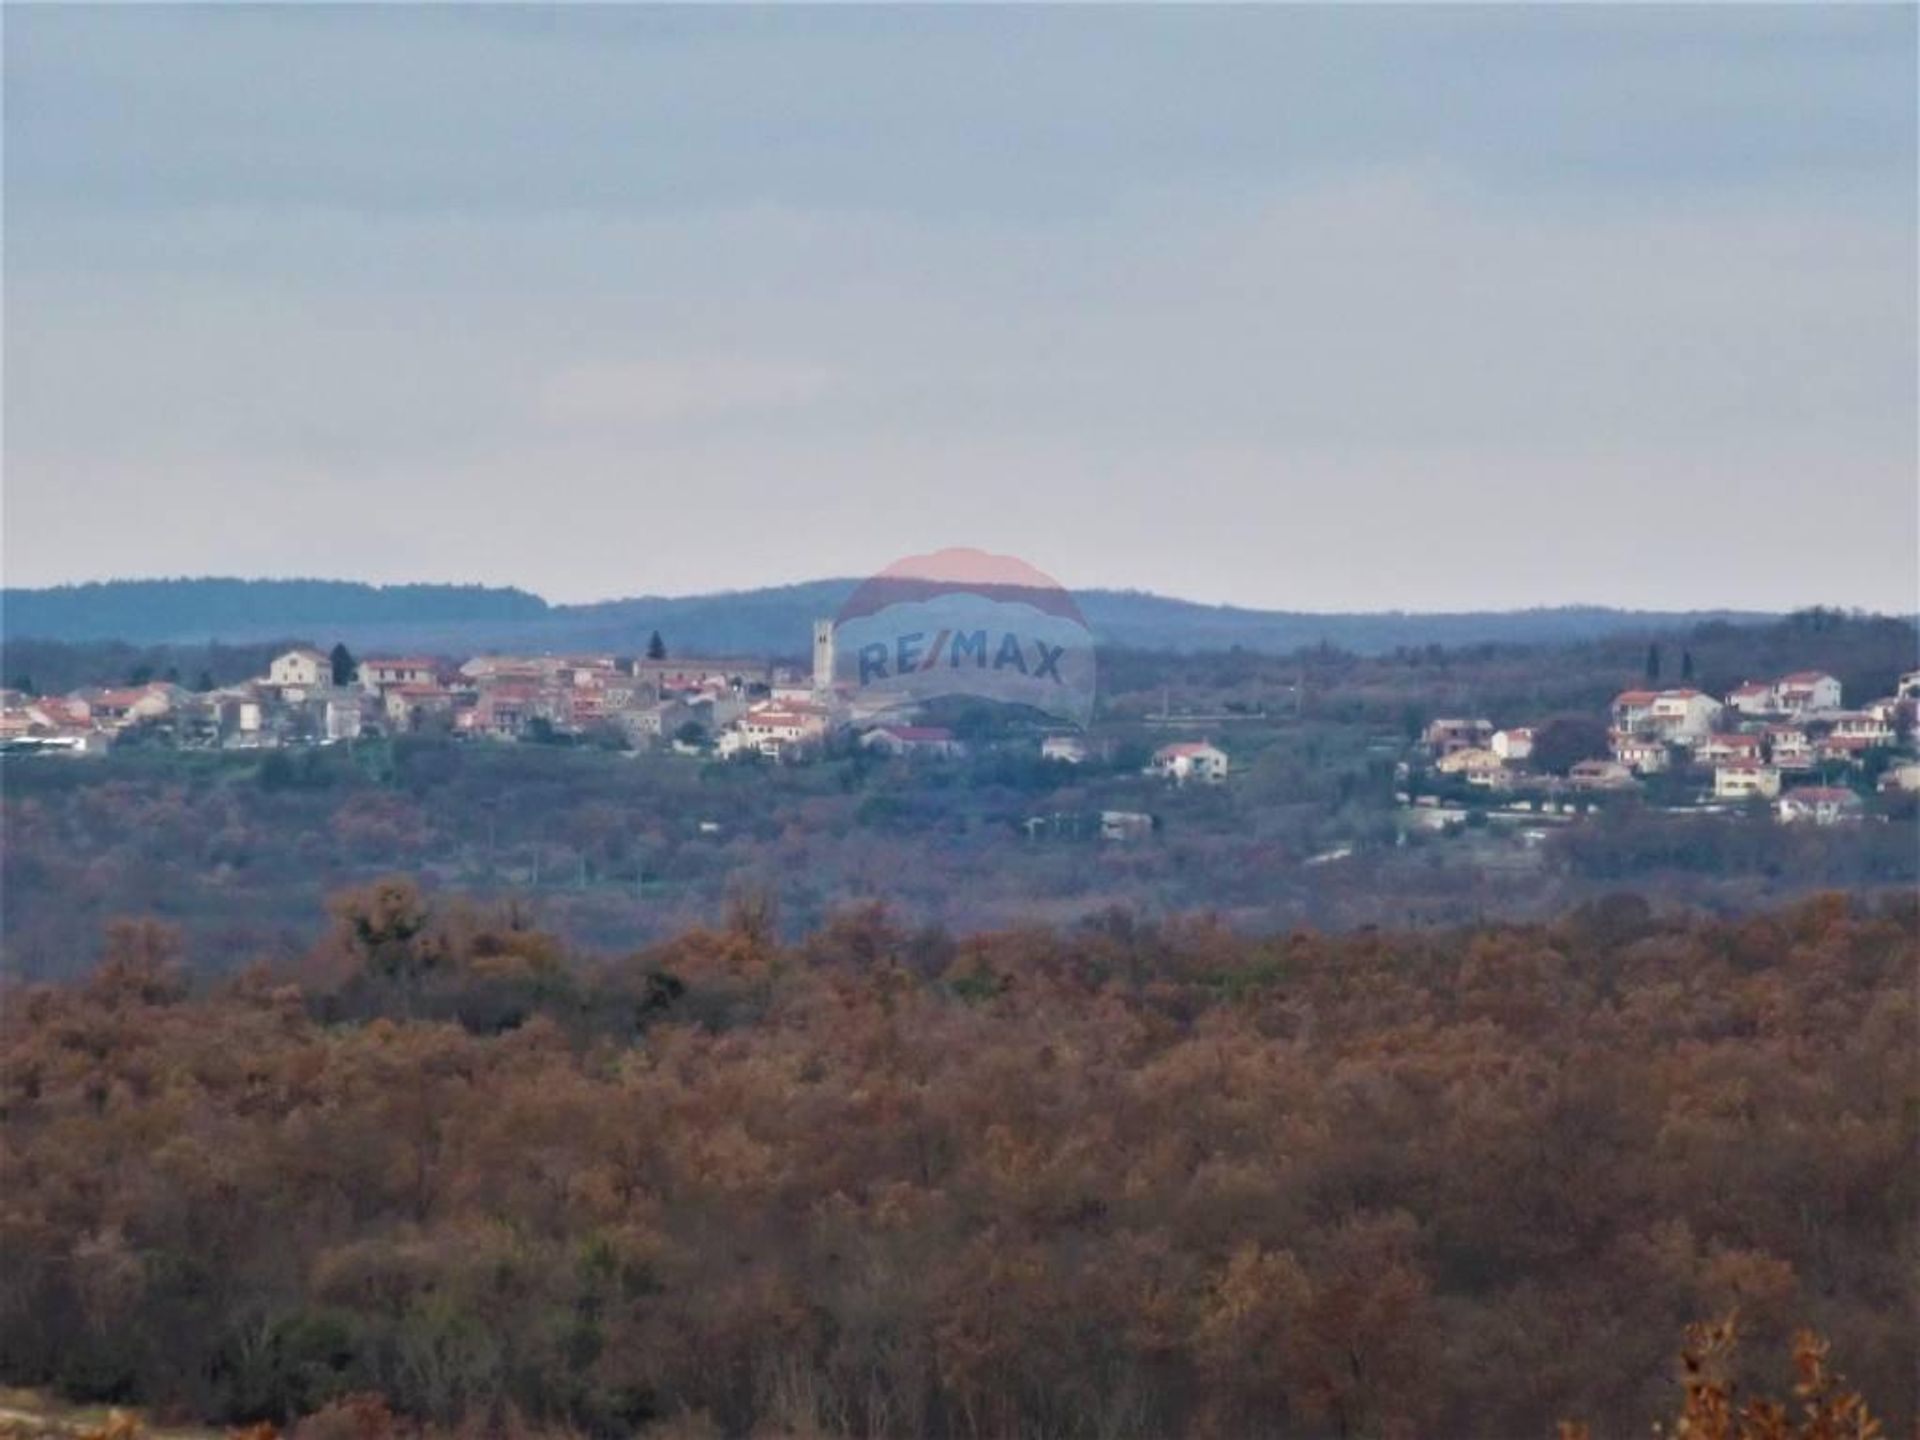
x=770 y=621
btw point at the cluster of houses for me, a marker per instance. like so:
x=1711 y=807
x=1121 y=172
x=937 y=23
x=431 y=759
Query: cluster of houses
x=725 y=707
x=301 y=700
x=1759 y=744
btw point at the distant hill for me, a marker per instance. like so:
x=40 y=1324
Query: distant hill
x=770 y=621
x=187 y=611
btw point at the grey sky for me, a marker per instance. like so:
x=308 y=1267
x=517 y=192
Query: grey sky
x=1365 y=308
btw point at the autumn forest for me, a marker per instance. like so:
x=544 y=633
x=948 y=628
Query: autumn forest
x=1122 y=1179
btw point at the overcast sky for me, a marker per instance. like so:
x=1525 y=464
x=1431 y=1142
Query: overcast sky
x=1306 y=308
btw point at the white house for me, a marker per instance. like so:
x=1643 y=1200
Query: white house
x=773 y=732
x=1476 y=766
x=1189 y=760
x=1752 y=698
x=1742 y=780
x=1729 y=750
x=1683 y=716
x=300 y=669
x=1068 y=749
x=1823 y=805
x=343 y=716
x=1806 y=690
x=1789 y=747
x=1862 y=725
x=1513 y=745
x=911 y=740
x=1904 y=776
x=379 y=672
x=1631 y=708
x=1644 y=755
x=128 y=706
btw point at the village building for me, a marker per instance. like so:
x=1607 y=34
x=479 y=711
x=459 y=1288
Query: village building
x=377 y=673
x=1863 y=725
x=1067 y=749
x=1754 y=697
x=1514 y=746
x=503 y=711
x=1600 y=775
x=1125 y=825
x=343 y=716
x=409 y=707
x=1745 y=780
x=1443 y=737
x=1820 y=805
x=302 y=668
x=1901 y=778
x=658 y=721
x=116 y=708
x=1724 y=749
x=776 y=732
x=901 y=740
x=1806 y=692
x=1644 y=755
x=1630 y=709
x=1683 y=716
x=1892 y=709
x=1189 y=760
x=1789 y=747
x=1475 y=766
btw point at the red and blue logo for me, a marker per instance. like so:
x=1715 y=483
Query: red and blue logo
x=963 y=623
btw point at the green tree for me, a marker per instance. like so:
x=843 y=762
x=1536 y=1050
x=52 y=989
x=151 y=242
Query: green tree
x=344 y=665
x=1566 y=740
x=656 y=647
x=1653 y=661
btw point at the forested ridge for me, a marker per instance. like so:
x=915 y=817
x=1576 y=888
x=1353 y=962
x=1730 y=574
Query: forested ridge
x=771 y=619
x=1120 y=1180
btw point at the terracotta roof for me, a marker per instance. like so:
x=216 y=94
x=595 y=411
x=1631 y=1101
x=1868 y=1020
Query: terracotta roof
x=1634 y=697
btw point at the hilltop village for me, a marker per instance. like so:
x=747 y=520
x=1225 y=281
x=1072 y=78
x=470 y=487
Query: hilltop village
x=704 y=707
x=1790 y=743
